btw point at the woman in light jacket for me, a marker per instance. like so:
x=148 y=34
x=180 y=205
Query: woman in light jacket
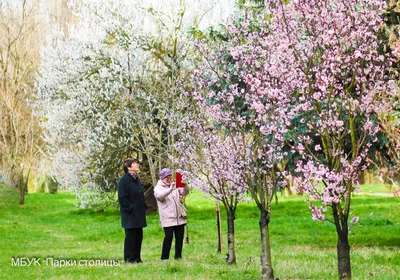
x=172 y=221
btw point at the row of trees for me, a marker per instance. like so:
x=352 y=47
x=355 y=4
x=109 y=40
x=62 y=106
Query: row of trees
x=287 y=90
x=309 y=84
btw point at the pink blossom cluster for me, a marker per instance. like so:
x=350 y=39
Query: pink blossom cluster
x=212 y=162
x=323 y=184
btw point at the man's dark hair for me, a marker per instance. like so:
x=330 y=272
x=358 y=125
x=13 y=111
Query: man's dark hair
x=128 y=163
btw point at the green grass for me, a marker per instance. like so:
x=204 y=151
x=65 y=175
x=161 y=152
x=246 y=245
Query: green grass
x=50 y=226
x=372 y=189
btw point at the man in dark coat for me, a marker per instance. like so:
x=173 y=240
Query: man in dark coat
x=133 y=211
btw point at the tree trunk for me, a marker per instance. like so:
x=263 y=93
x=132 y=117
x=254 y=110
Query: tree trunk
x=22 y=194
x=288 y=191
x=218 y=216
x=23 y=183
x=22 y=190
x=266 y=263
x=361 y=177
x=231 y=256
x=290 y=183
x=343 y=251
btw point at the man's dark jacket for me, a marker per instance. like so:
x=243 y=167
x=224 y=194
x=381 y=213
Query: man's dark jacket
x=131 y=200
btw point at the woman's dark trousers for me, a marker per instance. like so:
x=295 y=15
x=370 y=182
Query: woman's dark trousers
x=166 y=248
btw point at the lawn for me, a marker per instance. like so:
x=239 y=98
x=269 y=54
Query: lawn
x=70 y=243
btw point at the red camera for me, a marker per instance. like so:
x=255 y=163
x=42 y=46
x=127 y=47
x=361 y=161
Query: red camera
x=178 y=178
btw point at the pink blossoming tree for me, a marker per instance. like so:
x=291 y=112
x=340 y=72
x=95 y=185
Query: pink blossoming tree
x=210 y=161
x=340 y=83
x=232 y=92
x=310 y=77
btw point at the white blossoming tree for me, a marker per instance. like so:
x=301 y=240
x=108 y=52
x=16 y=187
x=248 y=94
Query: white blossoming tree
x=108 y=90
